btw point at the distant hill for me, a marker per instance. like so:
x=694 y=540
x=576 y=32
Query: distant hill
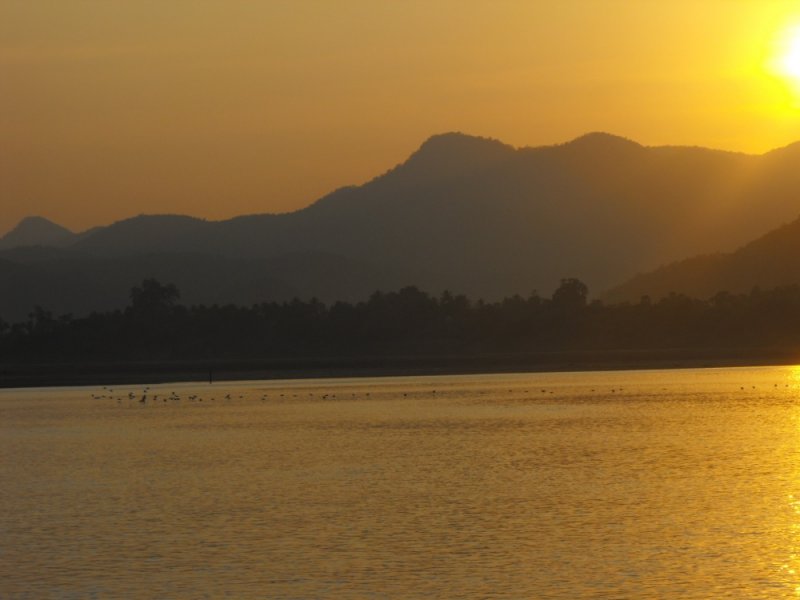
x=770 y=261
x=477 y=216
x=37 y=231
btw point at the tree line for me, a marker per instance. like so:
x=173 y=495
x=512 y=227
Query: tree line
x=407 y=322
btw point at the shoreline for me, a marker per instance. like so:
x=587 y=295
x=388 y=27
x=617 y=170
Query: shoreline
x=62 y=374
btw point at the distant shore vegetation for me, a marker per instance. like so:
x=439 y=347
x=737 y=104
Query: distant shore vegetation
x=407 y=322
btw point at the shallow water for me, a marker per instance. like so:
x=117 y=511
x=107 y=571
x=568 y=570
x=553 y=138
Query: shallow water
x=649 y=484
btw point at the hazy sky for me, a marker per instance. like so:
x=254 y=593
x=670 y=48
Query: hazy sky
x=110 y=108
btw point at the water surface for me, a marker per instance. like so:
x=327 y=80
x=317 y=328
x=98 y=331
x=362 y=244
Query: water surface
x=649 y=484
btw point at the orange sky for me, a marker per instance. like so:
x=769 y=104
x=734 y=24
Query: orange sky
x=110 y=108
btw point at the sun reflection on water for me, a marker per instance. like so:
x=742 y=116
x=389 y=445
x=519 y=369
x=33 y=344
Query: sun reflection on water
x=674 y=484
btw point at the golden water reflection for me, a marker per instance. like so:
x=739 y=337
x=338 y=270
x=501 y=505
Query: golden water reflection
x=658 y=484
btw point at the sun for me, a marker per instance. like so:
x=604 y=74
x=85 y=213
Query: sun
x=789 y=60
x=786 y=57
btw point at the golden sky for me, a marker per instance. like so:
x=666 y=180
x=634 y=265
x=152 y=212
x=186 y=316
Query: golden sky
x=110 y=108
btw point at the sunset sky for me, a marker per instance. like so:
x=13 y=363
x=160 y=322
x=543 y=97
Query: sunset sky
x=111 y=108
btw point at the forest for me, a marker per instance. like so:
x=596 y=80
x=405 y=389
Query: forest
x=408 y=322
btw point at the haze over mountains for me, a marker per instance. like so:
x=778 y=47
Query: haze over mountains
x=771 y=261
x=463 y=213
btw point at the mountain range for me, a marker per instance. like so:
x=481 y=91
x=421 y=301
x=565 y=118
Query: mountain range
x=468 y=214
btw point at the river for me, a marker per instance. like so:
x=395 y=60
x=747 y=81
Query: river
x=635 y=484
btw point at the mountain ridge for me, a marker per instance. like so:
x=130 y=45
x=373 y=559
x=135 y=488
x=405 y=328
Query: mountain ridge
x=442 y=140
x=477 y=216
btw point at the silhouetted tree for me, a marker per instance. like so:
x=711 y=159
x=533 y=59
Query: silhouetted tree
x=152 y=298
x=572 y=293
x=406 y=322
x=40 y=321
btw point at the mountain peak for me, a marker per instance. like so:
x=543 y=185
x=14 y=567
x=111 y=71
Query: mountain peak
x=451 y=140
x=601 y=139
x=36 y=231
x=38 y=221
x=455 y=153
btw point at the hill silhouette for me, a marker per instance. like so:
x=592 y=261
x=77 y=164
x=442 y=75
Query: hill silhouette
x=771 y=261
x=37 y=231
x=476 y=216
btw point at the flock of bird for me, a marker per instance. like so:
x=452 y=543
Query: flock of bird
x=148 y=396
